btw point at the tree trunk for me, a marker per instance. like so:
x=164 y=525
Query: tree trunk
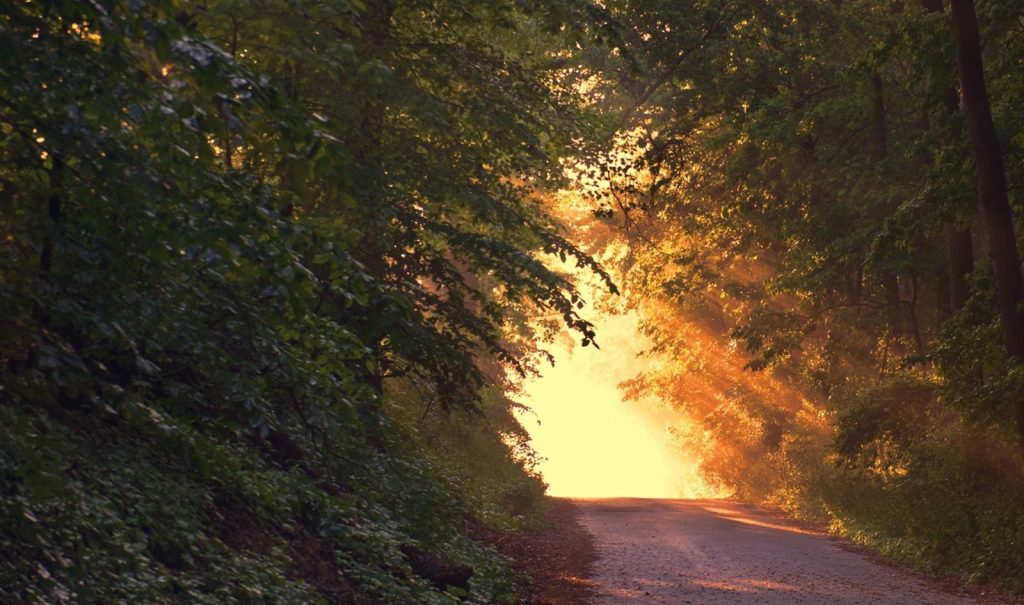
x=961 y=264
x=856 y=287
x=992 y=195
x=893 y=303
x=878 y=117
x=372 y=251
x=890 y=281
x=943 y=296
x=958 y=238
x=915 y=326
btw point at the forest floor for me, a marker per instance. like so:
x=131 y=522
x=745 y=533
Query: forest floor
x=707 y=552
x=557 y=557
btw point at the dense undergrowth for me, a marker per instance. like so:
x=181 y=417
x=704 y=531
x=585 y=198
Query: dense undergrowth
x=139 y=508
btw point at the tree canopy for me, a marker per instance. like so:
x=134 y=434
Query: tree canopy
x=269 y=271
x=232 y=233
x=827 y=195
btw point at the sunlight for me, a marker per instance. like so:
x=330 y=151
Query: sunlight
x=739 y=517
x=594 y=443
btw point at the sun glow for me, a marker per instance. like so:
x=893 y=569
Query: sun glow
x=593 y=442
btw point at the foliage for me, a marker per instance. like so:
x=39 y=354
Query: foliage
x=226 y=228
x=485 y=457
x=265 y=267
x=792 y=184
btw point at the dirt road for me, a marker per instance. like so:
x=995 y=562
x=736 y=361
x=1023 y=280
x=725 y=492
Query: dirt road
x=712 y=552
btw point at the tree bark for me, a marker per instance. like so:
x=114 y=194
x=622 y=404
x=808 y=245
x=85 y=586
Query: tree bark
x=992 y=194
x=893 y=303
x=961 y=264
x=373 y=249
x=915 y=326
x=958 y=238
x=943 y=296
x=878 y=116
x=890 y=281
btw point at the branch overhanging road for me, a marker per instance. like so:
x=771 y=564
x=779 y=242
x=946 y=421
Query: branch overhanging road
x=714 y=552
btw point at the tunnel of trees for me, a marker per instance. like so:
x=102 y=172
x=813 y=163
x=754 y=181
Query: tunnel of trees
x=272 y=270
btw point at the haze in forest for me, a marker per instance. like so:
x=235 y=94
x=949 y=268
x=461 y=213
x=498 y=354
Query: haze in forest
x=592 y=441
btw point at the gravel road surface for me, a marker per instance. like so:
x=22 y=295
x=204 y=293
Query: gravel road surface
x=714 y=552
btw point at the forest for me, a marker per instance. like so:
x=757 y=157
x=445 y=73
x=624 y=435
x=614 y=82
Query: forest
x=273 y=272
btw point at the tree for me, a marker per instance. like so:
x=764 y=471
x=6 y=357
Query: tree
x=992 y=189
x=223 y=224
x=445 y=162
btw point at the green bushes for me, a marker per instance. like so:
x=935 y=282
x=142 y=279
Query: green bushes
x=484 y=457
x=910 y=478
x=111 y=516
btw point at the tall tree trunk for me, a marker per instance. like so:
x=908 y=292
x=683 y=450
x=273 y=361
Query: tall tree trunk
x=915 y=326
x=893 y=303
x=878 y=117
x=943 y=295
x=961 y=264
x=992 y=195
x=372 y=251
x=856 y=287
x=890 y=281
x=958 y=238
